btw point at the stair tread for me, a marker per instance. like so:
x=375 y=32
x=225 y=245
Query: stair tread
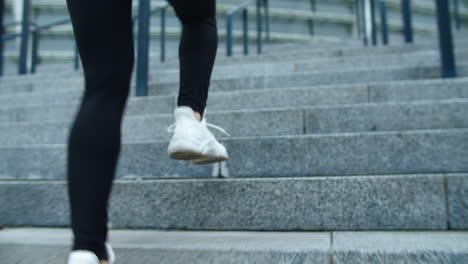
x=253 y=240
x=352 y=202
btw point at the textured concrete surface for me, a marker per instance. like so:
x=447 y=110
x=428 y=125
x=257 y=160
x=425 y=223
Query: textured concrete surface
x=61 y=111
x=302 y=203
x=341 y=76
x=34 y=203
x=137 y=160
x=387 y=116
x=260 y=64
x=457 y=195
x=261 y=80
x=153 y=127
x=52 y=245
x=421 y=58
x=153 y=246
x=258 y=122
x=272 y=52
x=52 y=97
x=294 y=52
x=395 y=91
x=424 y=89
x=226 y=101
x=285 y=204
x=400 y=247
x=425 y=151
x=294 y=155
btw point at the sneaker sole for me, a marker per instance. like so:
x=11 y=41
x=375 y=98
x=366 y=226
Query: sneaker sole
x=207 y=160
x=184 y=150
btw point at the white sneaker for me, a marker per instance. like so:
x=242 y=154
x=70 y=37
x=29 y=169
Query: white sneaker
x=192 y=140
x=81 y=256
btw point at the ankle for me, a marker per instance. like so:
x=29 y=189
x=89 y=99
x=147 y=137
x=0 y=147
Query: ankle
x=197 y=115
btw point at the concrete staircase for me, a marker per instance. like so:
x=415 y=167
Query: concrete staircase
x=360 y=154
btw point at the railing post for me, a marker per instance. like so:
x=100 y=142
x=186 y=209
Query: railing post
x=368 y=22
x=163 y=34
x=229 y=35
x=35 y=50
x=407 y=20
x=267 y=20
x=313 y=8
x=2 y=32
x=456 y=11
x=259 y=26
x=357 y=9
x=383 y=22
x=22 y=66
x=373 y=23
x=447 y=56
x=143 y=48
x=363 y=21
x=245 y=22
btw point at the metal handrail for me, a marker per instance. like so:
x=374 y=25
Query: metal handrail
x=361 y=18
x=373 y=22
x=2 y=29
x=244 y=9
x=384 y=22
x=229 y=16
x=407 y=20
x=447 y=55
x=39 y=29
x=456 y=14
x=142 y=62
x=362 y=8
x=36 y=38
x=10 y=36
x=25 y=31
x=446 y=47
x=16 y=23
x=163 y=9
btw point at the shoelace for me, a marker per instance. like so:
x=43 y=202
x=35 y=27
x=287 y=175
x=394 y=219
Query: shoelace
x=171 y=128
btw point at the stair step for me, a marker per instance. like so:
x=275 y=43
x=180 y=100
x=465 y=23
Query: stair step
x=52 y=246
x=371 y=202
x=395 y=152
x=269 y=68
x=267 y=122
x=28 y=108
x=301 y=79
x=424 y=151
x=347 y=76
x=423 y=58
x=313 y=54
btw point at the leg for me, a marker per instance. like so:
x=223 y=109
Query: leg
x=197 y=50
x=103 y=31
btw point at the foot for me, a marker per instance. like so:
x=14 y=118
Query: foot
x=88 y=257
x=192 y=140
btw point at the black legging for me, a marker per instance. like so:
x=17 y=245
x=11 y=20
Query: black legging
x=103 y=31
